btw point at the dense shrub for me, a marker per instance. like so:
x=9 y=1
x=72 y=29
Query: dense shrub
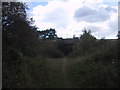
x=86 y=75
x=98 y=69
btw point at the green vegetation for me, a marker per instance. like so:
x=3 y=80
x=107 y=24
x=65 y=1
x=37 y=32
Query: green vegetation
x=55 y=79
x=47 y=34
x=95 y=70
x=35 y=59
x=24 y=55
x=97 y=65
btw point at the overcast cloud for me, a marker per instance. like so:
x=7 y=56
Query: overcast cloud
x=70 y=17
x=89 y=15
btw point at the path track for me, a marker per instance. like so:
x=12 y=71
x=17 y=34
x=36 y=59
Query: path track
x=64 y=72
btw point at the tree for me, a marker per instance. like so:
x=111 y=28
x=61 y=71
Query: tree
x=47 y=34
x=17 y=32
x=18 y=40
x=87 y=40
x=118 y=35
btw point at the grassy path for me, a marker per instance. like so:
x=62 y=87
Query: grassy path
x=59 y=78
x=64 y=72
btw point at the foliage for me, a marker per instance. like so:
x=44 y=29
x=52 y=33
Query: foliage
x=97 y=70
x=49 y=49
x=87 y=40
x=47 y=34
x=22 y=67
x=17 y=33
x=86 y=44
x=118 y=35
x=25 y=53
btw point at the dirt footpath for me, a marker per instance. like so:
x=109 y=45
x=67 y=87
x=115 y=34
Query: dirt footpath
x=64 y=72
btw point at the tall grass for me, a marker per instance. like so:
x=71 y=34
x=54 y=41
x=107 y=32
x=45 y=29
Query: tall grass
x=97 y=69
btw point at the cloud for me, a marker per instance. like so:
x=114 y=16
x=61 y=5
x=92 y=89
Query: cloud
x=94 y=28
x=69 y=17
x=57 y=17
x=109 y=9
x=84 y=11
x=89 y=15
x=113 y=26
x=111 y=29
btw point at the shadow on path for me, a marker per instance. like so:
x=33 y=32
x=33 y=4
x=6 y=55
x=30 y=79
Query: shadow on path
x=64 y=72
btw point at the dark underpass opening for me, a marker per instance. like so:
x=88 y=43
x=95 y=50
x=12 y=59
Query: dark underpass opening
x=68 y=48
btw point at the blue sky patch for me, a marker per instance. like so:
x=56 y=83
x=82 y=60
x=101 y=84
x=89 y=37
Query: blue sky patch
x=31 y=5
x=111 y=3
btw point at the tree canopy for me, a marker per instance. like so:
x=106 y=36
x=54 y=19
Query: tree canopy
x=47 y=34
x=17 y=32
x=118 y=35
x=87 y=40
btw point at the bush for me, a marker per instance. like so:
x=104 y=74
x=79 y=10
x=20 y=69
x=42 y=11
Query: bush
x=94 y=74
x=34 y=71
x=49 y=49
x=98 y=69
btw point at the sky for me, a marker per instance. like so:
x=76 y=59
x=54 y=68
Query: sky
x=70 y=17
